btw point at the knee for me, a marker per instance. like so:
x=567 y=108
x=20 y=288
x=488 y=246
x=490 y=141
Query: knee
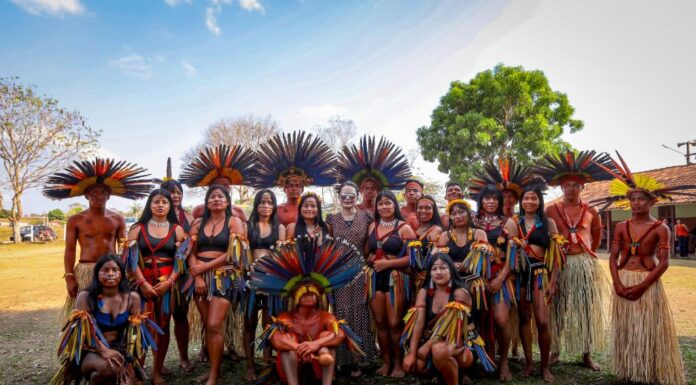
x=501 y=319
x=213 y=327
x=440 y=351
x=542 y=325
x=395 y=325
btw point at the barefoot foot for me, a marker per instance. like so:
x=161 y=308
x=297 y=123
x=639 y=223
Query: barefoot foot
x=398 y=371
x=157 y=379
x=250 y=374
x=383 y=370
x=554 y=359
x=203 y=378
x=546 y=374
x=527 y=371
x=505 y=373
x=186 y=365
x=587 y=361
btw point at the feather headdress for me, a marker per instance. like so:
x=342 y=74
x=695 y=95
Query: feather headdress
x=506 y=175
x=382 y=162
x=168 y=176
x=291 y=270
x=625 y=182
x=234 y=163
x=582 y=167
x=124 y=179
x=299 y=155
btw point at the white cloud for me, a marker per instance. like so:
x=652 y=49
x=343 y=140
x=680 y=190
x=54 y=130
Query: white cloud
x=174 y=3
x=251 y=5
x=51 y=7
x=324 y=111
x=189 y=69
x=211 y=19
x=136 y=65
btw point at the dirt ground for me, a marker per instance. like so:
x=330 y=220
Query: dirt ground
x=33 y=291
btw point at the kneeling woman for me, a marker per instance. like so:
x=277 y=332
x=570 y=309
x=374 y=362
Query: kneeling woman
x=437 y=328
x=106 y=334
x=216 y=265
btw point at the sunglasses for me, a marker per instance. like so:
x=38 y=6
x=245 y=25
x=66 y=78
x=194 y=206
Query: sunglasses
x=346 y=197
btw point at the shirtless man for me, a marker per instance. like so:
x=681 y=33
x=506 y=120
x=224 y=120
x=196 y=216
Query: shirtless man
x=639 y=257
x=369 y=189
x=97 y=230
x=453 y=190
x=413 y=191
x=580 y=325
x=310 y=338
x=287 y=212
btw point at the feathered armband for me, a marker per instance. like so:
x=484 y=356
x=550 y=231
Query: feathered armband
x=517 y=256
x=182 y=251
x=352 y=340
x=555 y=257
x=478 y=347
x=416 y=259
x=277 y=325
x=139 y=337
x=409 y=325
x=133 y=259
x=451 y=324
x=238 y=252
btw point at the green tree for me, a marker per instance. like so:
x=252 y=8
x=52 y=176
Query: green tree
x=75 y=208
x=56 y=215
x=506 y=111
x=37 y=138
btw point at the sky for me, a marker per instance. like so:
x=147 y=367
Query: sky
x=152 y=75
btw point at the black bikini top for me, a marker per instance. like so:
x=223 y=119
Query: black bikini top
x=539 y=237
x=493 y=235
x=429 y=314
x=255 y=240
x=159 y=247
x=391 y=245
x=218 y=242
x=456 y=252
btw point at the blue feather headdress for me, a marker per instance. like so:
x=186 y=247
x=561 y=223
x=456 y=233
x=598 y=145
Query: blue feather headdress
x=299 y=155
x=291 y=270
x=232 y=162
x=384 y=163
x=505 y=174
x=583 y=167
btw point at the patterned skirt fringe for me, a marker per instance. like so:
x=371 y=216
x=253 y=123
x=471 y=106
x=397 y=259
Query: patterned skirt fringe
x=83 y=276
x=580 y=310
x=645 y=346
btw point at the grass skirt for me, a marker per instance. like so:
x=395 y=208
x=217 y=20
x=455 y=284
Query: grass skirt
x=579 y=311
x=83 y=276
x=234 y=330
x=645 y=348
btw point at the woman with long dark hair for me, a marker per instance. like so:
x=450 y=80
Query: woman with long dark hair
x=182 y=329
x=310 y=223
x=350 y=225
x=386 y=282
x=215 y=266
x=438 y=326
x=102 y=335
x=535 y=236
x=497 y=281
x=157 y=235
x=265 y=231
x=461 y=236
x=428 y=232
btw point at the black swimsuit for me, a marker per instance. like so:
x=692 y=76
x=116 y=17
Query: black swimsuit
x=256 y=242
x=456 y=252
x=218 y=242
x=392 y=245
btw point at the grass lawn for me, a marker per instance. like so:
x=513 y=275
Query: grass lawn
x=33 y=290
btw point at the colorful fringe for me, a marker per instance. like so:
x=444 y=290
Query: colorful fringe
x=79 y=333
x=478 y=347
x=133 y=259
x=238 y=252
x=516 y=255
x=409 y=324
x=264 y=340
x=506 y=293
x=220 y=281
x=645 y=348
x=399 y=286
x=180 y=265
x=83 y=275
x=478 y=264
x=139 y=337
x=451 y=324
x=352 y=340
x=555 y=257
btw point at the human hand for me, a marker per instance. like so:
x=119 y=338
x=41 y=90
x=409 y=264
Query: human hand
x=381 y=265
x=634 y=293
x=494 y=286
x=113 y=358
x=198 y=269
x=307 y=348
x=162 y=287
x=147 y=290
x=410 y=362
x=201 y=288
x=71 y=285
x=424 y=350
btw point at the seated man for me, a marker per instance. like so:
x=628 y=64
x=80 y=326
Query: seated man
x=306 y=333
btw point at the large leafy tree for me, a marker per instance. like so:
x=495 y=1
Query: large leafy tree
x=506 y=111
x=37 y=138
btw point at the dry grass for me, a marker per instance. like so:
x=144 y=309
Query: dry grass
x=33 y=290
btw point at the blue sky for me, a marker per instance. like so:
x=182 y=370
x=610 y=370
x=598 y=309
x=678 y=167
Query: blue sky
x=153 y=74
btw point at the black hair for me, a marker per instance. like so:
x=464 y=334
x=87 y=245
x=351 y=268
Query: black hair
x=301 y=226
x=348 y=183
x=172 y=184
x=253 y=229
x=453 y=184
x=490 y=190
x=147 y=211
x=389 y=195
x=206 y=210
x=456 y=281
x=538 y=190
x=95 y=288
x=413 y=180
x=470 y=214
x=436 y=212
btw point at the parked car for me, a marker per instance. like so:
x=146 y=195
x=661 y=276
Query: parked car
x=130 y=221
x=42 y=233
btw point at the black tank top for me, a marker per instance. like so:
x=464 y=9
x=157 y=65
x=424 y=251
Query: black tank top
x=218 y=242
x=429 y=314
x=255 y=240
x=163 y=247
x=456 y=252
x=392 y=245
x=539 y=237
x=493 y=235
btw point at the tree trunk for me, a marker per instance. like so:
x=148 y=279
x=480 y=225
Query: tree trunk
x=16 y=215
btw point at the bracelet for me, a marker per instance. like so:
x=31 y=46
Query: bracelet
x=170 y=280
x=139 y=282
x=68 y=275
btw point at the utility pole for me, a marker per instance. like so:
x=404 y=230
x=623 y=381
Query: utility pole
x=688 y=154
